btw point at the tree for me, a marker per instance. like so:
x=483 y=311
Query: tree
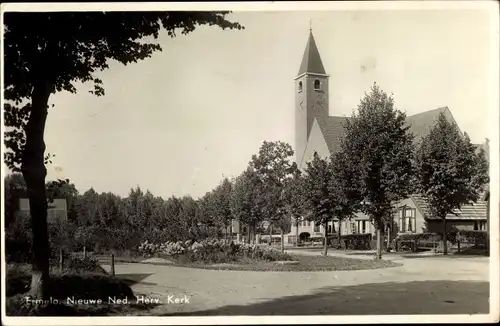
x=63 y=49
x=274 y=167
x=324 y=194
x=63 y=188
x=14 y=189
x=345 y=184
x=220 y=205
x=379 y=148
x=449 y=172
x=245 y=200
x=295 y=200
x=87 y=208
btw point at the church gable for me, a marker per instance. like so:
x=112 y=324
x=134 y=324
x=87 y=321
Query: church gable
x=333 y=131
x=315 y=143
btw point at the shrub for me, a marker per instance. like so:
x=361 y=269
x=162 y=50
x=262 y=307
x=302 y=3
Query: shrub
x=83 y=265
x=18 y=241
x=451 y=236
x=476 y=237
x=357 y=241
x=211 y=251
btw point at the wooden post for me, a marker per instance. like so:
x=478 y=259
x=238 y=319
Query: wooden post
x=458 y=243
x=61 y=260
x=112 y=264
x=84 y=252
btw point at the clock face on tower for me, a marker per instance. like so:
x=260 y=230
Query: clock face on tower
x=319 y=103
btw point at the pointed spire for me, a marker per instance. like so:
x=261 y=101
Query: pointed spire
x=311 y=62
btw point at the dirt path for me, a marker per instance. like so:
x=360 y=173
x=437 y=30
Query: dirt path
x=235 y=292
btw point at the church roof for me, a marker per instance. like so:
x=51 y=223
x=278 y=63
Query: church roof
x=311 y=61
x=420 y=125
x=476 y=211
x=333 y=131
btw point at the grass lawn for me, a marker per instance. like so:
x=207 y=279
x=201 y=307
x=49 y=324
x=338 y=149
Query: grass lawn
x=305 y=263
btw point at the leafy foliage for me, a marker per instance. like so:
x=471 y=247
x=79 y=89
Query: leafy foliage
x=379 y=149
x=211 y=251
x=245 y=198
x=450 y=173
x=71 y=47
x=357 y=241
x=326 y=190
x=476 y=237
x=274 y=169
x=320 y=197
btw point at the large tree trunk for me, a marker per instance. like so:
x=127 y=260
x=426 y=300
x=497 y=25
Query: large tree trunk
x=340 y=235
x=282 y=241
x=388 y=247
x=231 y=230
x=271 y=234
x=297 y=232
x=325 y=250
x=379 y=240
x=445 y=241
x=248 y=233
x=34 y=173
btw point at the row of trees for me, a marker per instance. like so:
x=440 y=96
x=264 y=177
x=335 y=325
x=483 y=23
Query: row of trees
x=378 y=165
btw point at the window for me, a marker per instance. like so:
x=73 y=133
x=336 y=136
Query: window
x=317 y=84
x=407 y=220
x=479 y=225
x=363 y=226
x=308 y=223
x=353 y=227
x=329 y=229
x=300 y=86
x=316 y=228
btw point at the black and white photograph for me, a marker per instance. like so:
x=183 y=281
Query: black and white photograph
x=250 y=162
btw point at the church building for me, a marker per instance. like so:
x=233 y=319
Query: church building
x=318 y=131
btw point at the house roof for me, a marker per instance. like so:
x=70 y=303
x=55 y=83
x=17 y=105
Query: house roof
x=311 y=61
x=476 y=211
x=420 y=125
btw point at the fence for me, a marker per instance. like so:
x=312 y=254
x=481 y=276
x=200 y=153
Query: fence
x=414 y=245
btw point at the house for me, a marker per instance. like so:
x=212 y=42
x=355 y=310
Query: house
x=57 y=210
x=317 y=131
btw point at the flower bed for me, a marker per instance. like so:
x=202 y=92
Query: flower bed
x=211 y=251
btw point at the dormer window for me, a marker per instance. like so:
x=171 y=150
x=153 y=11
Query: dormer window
x=300 y=86
x=317 y=85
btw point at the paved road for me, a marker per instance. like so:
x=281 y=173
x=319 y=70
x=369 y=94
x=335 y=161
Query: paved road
x=421 y=285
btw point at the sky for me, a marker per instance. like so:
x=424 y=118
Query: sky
x=179 y=122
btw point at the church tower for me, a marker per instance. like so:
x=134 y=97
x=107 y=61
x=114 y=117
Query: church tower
x=311 y=95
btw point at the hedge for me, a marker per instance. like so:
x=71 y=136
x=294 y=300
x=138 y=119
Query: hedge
x=472 y=236
x=360 y=241
x=452 y=237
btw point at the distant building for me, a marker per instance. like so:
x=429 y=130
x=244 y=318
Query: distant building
x=57 y=210
x=317 y=131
